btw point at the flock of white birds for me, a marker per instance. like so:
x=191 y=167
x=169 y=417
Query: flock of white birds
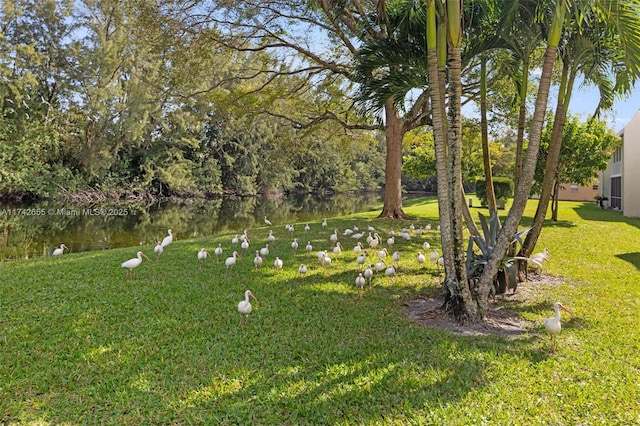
x=372 y=255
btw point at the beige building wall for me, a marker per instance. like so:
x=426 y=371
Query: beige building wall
x=573 y=192
x=631 y=167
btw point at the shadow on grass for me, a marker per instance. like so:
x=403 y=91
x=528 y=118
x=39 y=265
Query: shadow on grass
x=590 y=211
x=632 y=258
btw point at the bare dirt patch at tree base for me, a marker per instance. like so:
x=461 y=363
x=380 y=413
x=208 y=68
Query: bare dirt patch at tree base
x=501 y=319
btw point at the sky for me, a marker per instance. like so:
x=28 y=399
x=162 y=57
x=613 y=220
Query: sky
x=584 y=101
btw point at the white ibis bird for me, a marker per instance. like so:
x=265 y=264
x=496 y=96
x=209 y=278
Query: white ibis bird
x=426 y=246
x=168 y=239
x=434 y=255
x=325 y=260
x=360 y=281
x=244 y=307
x=235 y=239
x=396 y=256
x=277 y=263
x=358 y=248
x=538 y=259
x=245 y=245
x=324 y=223
x=362 y=258
x=337 y=249
x=294 y=245
x=302 y=269
x=131 y=264
x=553 y=324
x=218 y=252
x=264 y=251
x=271 y=238
x=357 y=235
x=334 y=237
x=379 y=266
x=368 y=274
x=420 y=258
x=230 y=261
x=202 y=256
x=307 y=228
x=371 y=228
x=257 y=261
x=428 y=227
x=390 y=271
x=383 y=253
x=418 y=231
x=267 y=221
x=309 y=247
x=60 y=250
x=375 y=240
x=391 y=241
x=158 y=249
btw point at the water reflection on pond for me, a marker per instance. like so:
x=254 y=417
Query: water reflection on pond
x=36 y=230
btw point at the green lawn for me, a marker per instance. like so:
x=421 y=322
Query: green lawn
x=80 y=344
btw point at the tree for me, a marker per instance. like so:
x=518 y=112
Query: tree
x=586 y=148
x=346 y=33
x=602 y=41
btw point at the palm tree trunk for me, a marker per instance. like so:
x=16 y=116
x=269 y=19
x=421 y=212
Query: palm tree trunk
x=522 y=116
x=554 y=201
x=436 y=59
x=486 y=156
x=523 y=189
x=553 y=157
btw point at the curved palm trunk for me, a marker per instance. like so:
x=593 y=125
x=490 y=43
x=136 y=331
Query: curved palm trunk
x=522 y=116
x=486 y=156
x=394 y=132
x=523 y=189
x=553 y=157
x=512 y=221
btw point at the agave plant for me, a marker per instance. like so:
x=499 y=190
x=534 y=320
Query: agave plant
x=476 y=262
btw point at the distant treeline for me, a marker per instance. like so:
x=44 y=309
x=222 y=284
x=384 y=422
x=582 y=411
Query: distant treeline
x=106 y=99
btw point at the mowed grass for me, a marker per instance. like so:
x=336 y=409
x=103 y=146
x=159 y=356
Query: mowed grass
x=80 y=344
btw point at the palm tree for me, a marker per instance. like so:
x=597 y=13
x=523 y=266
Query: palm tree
x=557 y=17
x=602 y=47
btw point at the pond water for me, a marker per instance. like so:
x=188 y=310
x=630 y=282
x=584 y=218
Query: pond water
x=37 y=229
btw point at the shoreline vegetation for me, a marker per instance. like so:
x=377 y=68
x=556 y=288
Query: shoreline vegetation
x=93 y=195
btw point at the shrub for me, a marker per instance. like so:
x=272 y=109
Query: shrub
x=503 y=187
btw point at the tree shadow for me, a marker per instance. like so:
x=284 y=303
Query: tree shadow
x=632 y=258
x=589 y=211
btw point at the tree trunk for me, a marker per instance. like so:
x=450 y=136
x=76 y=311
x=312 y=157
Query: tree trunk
x=455 y=300
x=394 y=132
x=486 y=156
x=553 y=157
x=522 y=116
x=460 y=302
x=554 y=201
x=523 y=189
